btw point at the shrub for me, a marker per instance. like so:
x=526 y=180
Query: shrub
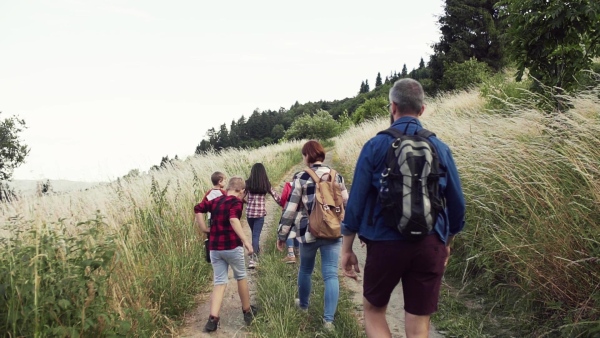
x=502 y=92
x=318 y=126
x=372 y=108
x=459 y=76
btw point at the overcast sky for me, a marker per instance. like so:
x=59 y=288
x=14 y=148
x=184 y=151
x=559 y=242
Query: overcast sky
x=109 y=86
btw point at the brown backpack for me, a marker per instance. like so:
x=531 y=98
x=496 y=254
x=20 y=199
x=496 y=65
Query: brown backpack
x=326 y=216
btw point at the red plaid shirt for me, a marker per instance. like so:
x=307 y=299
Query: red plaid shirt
x=256 y=207
x=222 y=236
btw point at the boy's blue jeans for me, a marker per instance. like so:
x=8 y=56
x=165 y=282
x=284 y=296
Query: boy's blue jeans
x=330 y=254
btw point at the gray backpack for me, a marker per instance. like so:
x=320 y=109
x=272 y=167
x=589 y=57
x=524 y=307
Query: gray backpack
x=410 y=193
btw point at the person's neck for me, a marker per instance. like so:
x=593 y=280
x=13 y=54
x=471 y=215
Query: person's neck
x=316 y=163
x=414 y=116
x=217 y=187
x=233 y=193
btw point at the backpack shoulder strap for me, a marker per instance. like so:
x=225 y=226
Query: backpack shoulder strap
x=395 y=133
x=425 y=133
x=313 y=175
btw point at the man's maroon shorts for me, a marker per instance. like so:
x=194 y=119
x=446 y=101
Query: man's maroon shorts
x=420 y=265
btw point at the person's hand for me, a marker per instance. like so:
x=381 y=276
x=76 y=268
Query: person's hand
x=248 y=247
x=350 y=265
x=447 y=256
x=280 y=245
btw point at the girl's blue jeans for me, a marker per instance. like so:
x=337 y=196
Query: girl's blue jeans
x=330 y=254
x=256 y=225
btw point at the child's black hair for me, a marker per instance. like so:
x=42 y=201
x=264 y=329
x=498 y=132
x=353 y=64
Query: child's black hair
x=258 y=182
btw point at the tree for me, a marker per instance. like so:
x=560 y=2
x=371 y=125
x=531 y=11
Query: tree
x=319 y=126
x=367 y=88
x=362 y=88
x=12 y=149
x=421 y=64
x=378 y=81
x=277 y=132
x=554 y=39
x=372 y=108
x=470 y=28
x=404 y=71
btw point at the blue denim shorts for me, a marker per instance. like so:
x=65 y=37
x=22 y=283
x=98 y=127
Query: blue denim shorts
x=222 y=259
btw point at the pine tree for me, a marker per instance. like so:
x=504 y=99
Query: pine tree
x=378 y=80
x=404 y=71
x=367 y=88
x=421 y=64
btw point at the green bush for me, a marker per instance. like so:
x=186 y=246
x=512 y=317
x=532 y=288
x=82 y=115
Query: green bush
x=372 y=108
x=55 y=285
x=459 y=76
x=501 y=92
x=318 y=126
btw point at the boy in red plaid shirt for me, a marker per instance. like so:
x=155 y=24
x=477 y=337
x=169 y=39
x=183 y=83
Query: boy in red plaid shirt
x=226 y=242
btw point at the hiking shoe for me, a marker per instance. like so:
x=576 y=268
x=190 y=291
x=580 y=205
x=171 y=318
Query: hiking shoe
x=297 y=302
x=252 y=264
x=249 y=316
x=212 y=324
x=296 y=251
x=328 y=326
x=289 y=259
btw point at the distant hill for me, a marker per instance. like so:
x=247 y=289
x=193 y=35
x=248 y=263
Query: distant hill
x=29 y=187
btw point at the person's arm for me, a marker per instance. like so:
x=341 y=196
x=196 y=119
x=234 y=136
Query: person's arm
x=276 y=195
x=361 y=186
x=237 y=227
x=455 y=200
x=201 y=224
x=290 y=211
x=200 y=209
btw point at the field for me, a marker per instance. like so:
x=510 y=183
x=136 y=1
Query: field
x=122 y=258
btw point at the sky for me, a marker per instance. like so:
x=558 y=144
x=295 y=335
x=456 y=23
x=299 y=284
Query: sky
x=109 y=86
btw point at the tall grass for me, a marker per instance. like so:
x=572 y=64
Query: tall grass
x=121 y=259
x=532 y=184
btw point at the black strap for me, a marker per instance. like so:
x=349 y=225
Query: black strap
x=398 y=134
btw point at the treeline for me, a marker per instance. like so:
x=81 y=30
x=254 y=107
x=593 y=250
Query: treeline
x=552 y=42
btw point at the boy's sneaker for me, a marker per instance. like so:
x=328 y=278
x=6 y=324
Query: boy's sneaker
x=251 y=264
x=212 y=324
x=249 y=316
x=328 y=326
x=289 y=259
x=297 y=302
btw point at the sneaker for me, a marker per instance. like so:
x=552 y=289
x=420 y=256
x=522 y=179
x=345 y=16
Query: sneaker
x=328 y=326
x=251 y=264
x=212 y=324
x=249 y=316
x=289 y=259
x=297 y=302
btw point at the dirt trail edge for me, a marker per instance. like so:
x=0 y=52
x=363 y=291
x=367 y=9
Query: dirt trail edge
x=232 y=322
x=395 y=310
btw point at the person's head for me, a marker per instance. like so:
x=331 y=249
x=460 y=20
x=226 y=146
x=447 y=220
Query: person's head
x=406 y=98
x=258 y=182
x=313 y=151
x=236 y=186
x=218 y=179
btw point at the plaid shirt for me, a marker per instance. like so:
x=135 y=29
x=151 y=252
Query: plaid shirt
x=256 y=207
x=222 y=236
x=301 y=201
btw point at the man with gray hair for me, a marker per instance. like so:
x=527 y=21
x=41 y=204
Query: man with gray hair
x=393 y=255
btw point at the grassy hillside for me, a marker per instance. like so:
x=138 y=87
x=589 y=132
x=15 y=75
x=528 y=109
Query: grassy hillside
x=531 y=247
x=117 y=260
